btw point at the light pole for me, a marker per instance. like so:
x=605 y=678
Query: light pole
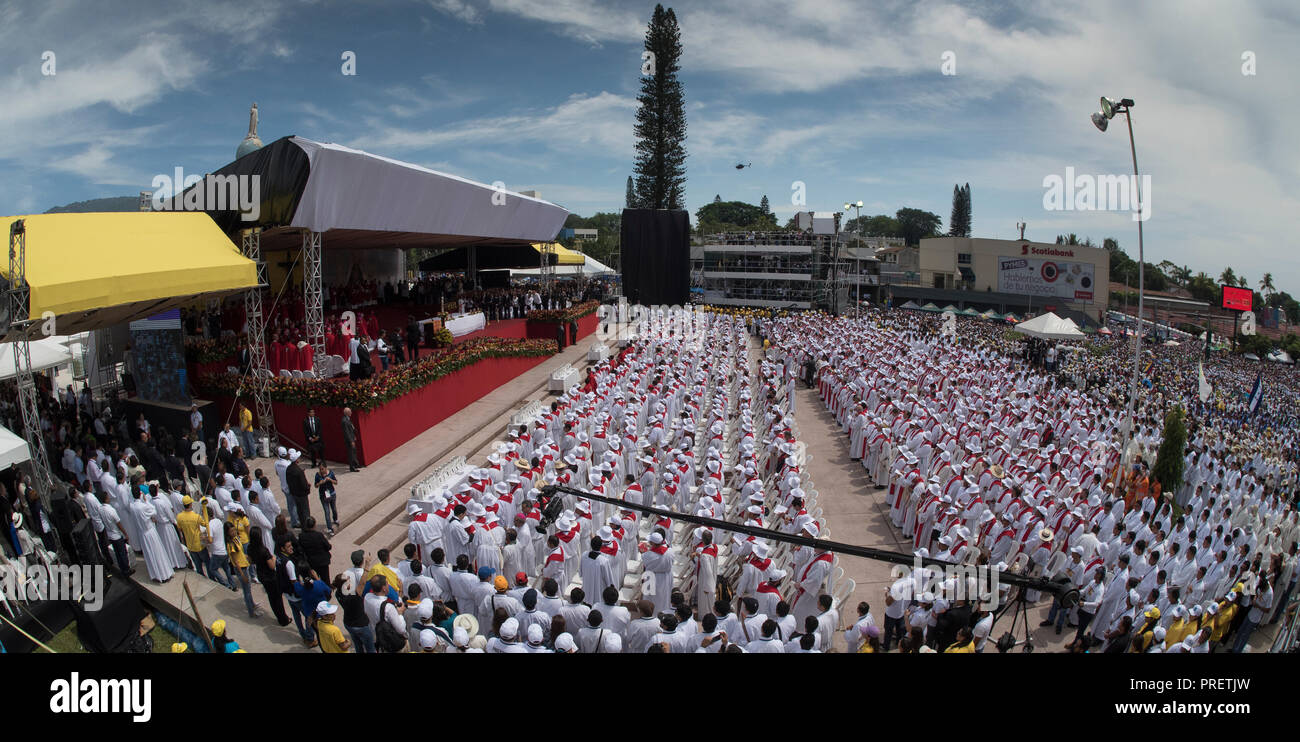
x=1109 y=108
x=857 y=206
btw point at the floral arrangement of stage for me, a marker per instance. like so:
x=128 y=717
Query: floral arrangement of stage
x=393 y=406
x=542 y=322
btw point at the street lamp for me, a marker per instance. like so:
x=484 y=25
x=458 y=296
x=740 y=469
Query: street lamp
x=1101 y=119
x=857 y=206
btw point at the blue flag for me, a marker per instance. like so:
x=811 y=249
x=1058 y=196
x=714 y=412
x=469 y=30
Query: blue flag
x=1257 y=393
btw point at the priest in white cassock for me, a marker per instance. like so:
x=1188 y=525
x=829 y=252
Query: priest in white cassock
x=596 y=570
x=657 y=557
x=706 y=571
x=421 y=532
x=164 y=522
x=156 y=557
x=810 y=580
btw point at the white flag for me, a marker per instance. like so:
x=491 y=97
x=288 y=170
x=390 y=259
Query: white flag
x=1205 y=388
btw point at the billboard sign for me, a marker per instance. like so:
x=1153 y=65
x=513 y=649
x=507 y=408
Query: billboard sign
x=1236 y=299
x=1049 y=277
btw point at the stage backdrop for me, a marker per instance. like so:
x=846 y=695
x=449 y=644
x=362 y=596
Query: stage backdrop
x=158 y=352
x=656 y=250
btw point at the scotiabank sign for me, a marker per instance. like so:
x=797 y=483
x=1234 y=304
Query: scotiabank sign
x=1056 y=252
x=1048 y=278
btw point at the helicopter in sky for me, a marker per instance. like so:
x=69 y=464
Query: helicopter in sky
x=743 y=165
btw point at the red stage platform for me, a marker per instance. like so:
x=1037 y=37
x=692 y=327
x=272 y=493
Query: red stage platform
x=384 y=428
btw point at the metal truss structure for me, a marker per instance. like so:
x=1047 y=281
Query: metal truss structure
x=548 y=268
x=311 y=294
x=259 y=373
x=19 y=300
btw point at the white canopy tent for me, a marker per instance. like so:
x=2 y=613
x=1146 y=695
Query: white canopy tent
x=591 y=267
x=46 y=353
x=1051 y=327
x=13 y=449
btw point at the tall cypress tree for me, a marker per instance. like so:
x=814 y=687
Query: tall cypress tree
x=630 y=199
x=966 y=222
x=765 y=206
x=661 y=119
x=954 y=221
x=959 y=224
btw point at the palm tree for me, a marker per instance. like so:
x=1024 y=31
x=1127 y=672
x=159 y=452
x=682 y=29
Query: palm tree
x=1266 y=285
x=1228 y=277
x=1242 y=282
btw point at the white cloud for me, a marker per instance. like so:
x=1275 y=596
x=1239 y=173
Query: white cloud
x=602 y=122
x=458 y=9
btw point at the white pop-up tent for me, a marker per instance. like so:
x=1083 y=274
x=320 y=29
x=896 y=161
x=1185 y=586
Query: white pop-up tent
x=1050 y=327
x=13 y=449
x=46 y=353
x=591 y=267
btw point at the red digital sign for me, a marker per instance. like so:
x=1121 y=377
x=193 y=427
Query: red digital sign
x=1238 y=300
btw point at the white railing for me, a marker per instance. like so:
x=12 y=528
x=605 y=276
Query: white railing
x=562 y=378
x=444 y=477
x=528 y=413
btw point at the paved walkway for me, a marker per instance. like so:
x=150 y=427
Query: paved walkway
x=856 y=513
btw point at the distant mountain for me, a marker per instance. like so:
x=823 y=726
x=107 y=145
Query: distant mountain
x=115 y=203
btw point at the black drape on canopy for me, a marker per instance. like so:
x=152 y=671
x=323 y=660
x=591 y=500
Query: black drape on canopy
x=489 y=257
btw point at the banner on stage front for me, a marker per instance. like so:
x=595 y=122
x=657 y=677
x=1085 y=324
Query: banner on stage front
x=1047 y=277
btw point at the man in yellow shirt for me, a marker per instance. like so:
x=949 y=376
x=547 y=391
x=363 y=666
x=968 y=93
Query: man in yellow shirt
x=1224 y=612
x=330 y=636
x=190 y=525
x=246 y=431
x=381 y=568
x=1181 y=627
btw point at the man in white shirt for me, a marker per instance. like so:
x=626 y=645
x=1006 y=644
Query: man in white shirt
x=1260 y=610
x=377 y=603
x=508 y=642
x=856 y=634
x=113 y=532
x=767 y=643
x=616 y=616
x=281 y=466
x=983 y=627
x=641 y=631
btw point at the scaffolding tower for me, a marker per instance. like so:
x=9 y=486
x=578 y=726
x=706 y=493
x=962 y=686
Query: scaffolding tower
x=259 y=373
x=314 y=311
x=20 y=323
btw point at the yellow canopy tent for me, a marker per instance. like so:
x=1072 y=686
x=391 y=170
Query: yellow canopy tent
x=100 y=269
x=564 y=255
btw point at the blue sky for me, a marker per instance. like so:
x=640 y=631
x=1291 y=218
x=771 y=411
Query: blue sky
x=846 y=97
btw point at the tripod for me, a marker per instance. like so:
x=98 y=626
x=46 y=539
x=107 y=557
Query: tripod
x=1018 y=607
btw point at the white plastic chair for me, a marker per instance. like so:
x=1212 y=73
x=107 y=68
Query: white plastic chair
x=284 y=372
x=297 y=374
x=1054 y=565
x=846 y=589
